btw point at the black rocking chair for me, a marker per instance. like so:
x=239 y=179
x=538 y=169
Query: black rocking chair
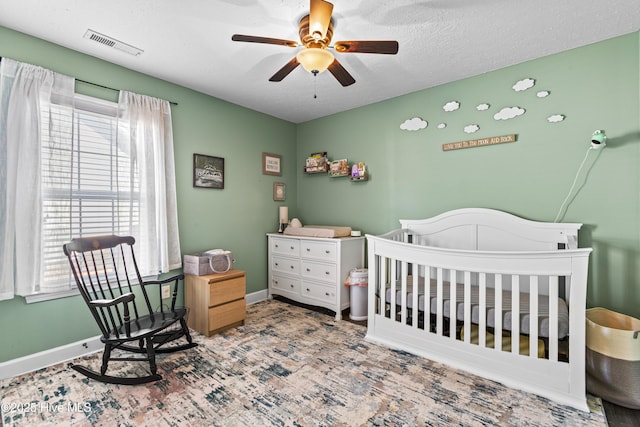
x=105 y=271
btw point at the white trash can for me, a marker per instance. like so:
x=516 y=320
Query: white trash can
x=358 y=282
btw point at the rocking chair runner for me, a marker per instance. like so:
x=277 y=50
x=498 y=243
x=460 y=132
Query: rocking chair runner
x=105 y=270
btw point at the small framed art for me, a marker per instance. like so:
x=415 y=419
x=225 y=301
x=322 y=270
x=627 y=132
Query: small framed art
x=271 y=164
x=278 y=191
x=208 y=171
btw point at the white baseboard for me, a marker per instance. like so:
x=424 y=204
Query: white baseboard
x=257 y=296
x=40 y=360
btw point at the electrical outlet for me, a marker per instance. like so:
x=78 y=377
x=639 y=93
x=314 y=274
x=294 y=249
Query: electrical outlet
x=166 y=291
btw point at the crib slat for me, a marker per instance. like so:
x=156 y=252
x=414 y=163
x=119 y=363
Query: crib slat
x=553 y=318
x=533 y=317
x=414 y=296
x=394 y=282
x=439 y=302
x=427 y=298
x=482 y=319
x=383 y=286
x=497 y=312
x=467 y=306
x=404 y=273
x=515 y=314
x=453 y=302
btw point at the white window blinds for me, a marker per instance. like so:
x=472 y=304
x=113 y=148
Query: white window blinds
x=89 y=185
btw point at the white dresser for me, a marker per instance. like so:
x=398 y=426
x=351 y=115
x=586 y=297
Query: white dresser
x=312 y=270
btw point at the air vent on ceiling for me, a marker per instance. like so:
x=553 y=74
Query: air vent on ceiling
x=111 y=42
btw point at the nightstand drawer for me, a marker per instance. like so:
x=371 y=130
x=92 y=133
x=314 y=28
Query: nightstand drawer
x=225 y=291
x=227 y=314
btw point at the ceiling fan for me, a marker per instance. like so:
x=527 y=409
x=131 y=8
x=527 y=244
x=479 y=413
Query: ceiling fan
x=316 y=31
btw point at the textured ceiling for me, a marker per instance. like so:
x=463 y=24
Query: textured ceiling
x=188 y=42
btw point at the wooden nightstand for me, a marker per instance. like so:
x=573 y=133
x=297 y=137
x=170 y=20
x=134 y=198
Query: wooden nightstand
x=215 y=301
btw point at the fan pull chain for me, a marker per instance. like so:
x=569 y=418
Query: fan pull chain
x=315 y=84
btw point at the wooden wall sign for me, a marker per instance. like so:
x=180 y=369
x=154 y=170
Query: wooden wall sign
x=479 y=142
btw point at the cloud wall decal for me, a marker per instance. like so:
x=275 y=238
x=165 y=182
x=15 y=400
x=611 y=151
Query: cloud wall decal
x=509 y=113
x=451 y=106
x=414 y=124
x=555 y=118
x=523 y=84
x=471 y=128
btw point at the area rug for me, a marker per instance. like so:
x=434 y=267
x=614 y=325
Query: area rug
x=288 y=366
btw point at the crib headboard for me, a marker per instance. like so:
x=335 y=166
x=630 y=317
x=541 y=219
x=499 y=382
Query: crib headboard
x=490 y=230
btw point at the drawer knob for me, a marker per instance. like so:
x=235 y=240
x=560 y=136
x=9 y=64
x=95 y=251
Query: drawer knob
x=327 y=252
x=308 y=290
x=326 y=293
x=291 y=247
x=276 y=264
x=308 y=269
x=291 y=286
x=277 y=246
x=291 y=266
x=327 y=273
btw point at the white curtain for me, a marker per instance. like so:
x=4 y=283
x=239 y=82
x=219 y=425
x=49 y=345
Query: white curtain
x=26 y=92
x=145 y=131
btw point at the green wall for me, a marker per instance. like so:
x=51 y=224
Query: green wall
x=595 y=87
x=236 y=218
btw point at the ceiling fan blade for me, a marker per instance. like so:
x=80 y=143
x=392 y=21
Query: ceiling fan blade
x=388 y=47
x=319 y=18
x=284 y=71
x=266 y=40
x=341 y=74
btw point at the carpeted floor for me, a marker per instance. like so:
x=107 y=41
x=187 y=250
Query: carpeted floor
x=288 y=366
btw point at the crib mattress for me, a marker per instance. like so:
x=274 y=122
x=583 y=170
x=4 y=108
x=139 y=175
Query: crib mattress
x=507 y=318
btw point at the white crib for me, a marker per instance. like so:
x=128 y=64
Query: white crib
x=469 y=264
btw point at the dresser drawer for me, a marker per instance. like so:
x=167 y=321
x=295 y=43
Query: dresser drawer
x=287 y=247
x=318 y=291
x=319 y=271
x=227 y=314
x=318 y=250
x=227 y=290
x=286 y=284
x=285 y=265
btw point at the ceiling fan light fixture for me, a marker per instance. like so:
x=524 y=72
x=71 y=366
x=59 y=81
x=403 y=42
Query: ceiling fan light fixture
x=315 y=60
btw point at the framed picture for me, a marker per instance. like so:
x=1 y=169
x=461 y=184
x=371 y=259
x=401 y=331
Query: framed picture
x=278 y=191
x=271 y=164
x=208 y=171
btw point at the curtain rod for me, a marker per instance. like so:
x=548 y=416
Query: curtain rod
x=110 y=88
x=102 y=86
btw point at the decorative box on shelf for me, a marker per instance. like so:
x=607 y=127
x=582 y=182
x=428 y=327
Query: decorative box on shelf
x=359 y=172
x=317 y=163
x=339 y=168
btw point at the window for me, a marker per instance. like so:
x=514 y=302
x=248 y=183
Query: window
x=89 y=184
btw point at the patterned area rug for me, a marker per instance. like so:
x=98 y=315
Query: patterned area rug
x=288 y=366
